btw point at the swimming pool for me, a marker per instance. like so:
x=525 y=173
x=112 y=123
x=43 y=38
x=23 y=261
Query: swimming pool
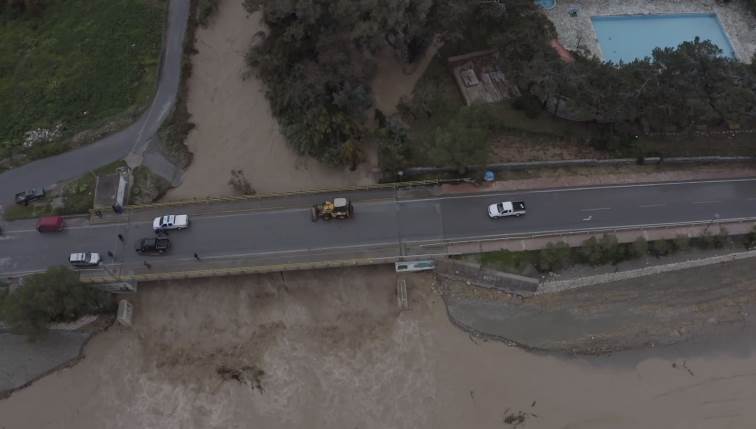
x=546 y=4
x=629 y=37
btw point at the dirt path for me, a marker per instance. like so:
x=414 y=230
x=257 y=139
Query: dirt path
x=394 y=80
x=235 y=129
x=336 y=353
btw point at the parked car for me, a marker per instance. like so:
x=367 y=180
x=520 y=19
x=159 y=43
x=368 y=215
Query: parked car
x=29 y=195
x=506 y=209
x=84 y=259
x=153 y=246
x=170 y=222
x=50 y=224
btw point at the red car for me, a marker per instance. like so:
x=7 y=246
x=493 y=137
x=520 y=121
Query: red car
x=50 y=224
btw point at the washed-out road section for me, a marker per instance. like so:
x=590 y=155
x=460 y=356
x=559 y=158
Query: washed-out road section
x=382 y=227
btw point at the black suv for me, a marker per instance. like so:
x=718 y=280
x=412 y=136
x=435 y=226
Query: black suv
x=153 y=246
x=30 y=195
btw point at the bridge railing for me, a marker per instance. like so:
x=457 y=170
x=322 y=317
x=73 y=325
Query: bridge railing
x=406 y=251
x=268 y=201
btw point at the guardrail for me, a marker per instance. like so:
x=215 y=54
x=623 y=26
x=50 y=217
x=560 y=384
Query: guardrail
x=222 y=272
x=233 y=198
x=410 y=251
x=604 y=230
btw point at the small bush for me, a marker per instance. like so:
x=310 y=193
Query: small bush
x=555 y=257
x=638 y=248
x=750 y=239
x=682 y=243
x=529 y=104
x=602 y=251
x=722 y=239
x=147 y=187
x=206 y=10
x=661 y=248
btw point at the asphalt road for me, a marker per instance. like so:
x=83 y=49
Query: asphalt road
x=48 y=171
x=381 y=227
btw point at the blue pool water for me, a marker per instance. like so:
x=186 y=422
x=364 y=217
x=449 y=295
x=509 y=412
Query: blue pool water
x=635 y=36
x=546 y=4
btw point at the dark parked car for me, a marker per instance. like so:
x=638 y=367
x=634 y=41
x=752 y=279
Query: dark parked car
x=153 y=246
x=30 y=195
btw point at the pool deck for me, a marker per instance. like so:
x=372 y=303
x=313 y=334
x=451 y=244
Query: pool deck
x=577 y=33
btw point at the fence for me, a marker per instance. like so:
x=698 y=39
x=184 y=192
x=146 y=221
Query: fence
x=333 y=191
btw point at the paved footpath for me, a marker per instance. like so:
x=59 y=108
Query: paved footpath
x=132 y=140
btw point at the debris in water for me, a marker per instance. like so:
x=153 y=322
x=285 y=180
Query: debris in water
x=250 y=375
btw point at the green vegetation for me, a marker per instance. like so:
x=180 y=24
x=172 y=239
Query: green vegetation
x=54 y=296
x=73 y=65
x=75 y=197
x=34 y=210
x=147 y=186
x=78 y=195
x=606 y=250
x=749 y=241
x=176 y=127
x=317 y=64
x=207 y=8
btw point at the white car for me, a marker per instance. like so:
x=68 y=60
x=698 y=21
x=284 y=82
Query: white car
x=505 y=209
x=84 y=259
x=170 y=222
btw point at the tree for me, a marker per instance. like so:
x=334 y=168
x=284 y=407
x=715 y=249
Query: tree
x=16 y=8
x=54 y=296
x=393 y=145
x=317 y=63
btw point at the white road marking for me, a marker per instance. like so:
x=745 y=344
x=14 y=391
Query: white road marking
x=596 y=209
x=587 y=219
x=95 y=226
x=648 y=206
x=253 y=212
x=707 y=202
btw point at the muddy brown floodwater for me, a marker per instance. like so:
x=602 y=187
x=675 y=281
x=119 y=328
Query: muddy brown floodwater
x=330 y=349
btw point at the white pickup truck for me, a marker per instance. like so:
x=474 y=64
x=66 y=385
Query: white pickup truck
x=506 y=209
x=170 y=222
x=84 y=259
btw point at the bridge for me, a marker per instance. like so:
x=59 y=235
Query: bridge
x=391 y=223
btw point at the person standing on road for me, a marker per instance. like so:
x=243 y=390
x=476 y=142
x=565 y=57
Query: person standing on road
x=196 y=256
x=120 y=237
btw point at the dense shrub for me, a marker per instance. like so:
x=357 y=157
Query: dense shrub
x=54 y=296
